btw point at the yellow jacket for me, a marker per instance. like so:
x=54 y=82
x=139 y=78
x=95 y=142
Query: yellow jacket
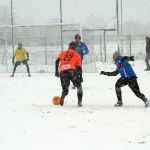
x=20 y=54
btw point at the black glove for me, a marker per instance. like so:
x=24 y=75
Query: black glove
x=28 y=59
x=57 y=74
x=102 y=73
x=132 y=58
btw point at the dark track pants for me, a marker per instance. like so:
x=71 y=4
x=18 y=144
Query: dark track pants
x=132 y=83
x=65 y=78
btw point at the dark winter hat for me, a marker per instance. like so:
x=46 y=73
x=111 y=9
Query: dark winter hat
x=20 y=43
x=72 y=45
x=147 y=38
x=116 y=54
x=77 y=36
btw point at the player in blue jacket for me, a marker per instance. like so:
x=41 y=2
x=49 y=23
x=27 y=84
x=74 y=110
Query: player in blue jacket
x=81 y=47
x=128 y=77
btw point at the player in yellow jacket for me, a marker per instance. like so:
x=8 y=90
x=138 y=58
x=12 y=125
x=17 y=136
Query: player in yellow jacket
x=22 y=56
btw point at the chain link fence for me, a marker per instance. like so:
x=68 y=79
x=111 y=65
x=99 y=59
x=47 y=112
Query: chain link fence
x=95 y=20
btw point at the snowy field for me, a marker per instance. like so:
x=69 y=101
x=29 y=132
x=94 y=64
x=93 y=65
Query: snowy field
x=29 y=121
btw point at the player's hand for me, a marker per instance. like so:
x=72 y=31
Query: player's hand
x=102 y=73
x=27 y=59
x=132 y=58
x=57 y=74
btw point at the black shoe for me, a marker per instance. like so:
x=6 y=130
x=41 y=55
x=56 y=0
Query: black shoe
x=61 y=102
x=147 y=103
x=80 y=104
x=147 y=69
x=118 y=104
x=12 y=75
x=29 y=75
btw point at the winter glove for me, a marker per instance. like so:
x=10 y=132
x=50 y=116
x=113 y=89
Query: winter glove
x=57 y=74
x=102 y=73
x=79 y=73
x=132 y=58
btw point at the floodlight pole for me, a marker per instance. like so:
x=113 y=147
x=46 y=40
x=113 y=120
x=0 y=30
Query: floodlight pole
x=105 y=46
x=121 y=27
x=61 y=28
x=117 y=15
x=12 y=29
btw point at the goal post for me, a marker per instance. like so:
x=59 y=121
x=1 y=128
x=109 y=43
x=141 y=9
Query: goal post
x=43 y=42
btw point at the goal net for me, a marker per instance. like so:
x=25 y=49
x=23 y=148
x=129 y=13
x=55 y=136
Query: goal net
x=44 y=42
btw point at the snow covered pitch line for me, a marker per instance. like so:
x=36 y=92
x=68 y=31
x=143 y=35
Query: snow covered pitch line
x=28 y=120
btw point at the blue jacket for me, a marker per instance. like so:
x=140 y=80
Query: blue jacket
x=81 y=49
x=124 y=68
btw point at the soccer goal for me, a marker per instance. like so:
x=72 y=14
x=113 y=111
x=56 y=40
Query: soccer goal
x=44 y=42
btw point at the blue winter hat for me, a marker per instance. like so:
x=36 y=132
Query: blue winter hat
x=116 y=54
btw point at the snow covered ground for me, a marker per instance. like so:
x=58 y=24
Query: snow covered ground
x=29 y=121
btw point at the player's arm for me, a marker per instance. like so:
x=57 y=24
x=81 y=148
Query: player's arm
x=113 y=73
x=85 y=49
x=56 y=67
x=78 y=67
x=27 y=56
x=128 y=58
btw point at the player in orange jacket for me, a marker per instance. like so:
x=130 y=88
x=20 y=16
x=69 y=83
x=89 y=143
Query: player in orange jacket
x=68 y=68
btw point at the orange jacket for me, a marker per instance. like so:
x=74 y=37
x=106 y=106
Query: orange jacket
x=69 y=59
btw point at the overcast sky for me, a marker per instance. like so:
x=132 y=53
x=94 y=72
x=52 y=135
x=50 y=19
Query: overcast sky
x=46 y=11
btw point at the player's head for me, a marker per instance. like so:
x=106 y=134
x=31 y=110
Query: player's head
x=147 y=39
x=116 y=54
x=20 y=45
x=77 y=38
x=72 y=45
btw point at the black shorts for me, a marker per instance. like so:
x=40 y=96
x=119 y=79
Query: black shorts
x=67 y=76
x=24 y=62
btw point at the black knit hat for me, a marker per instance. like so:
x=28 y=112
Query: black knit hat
x=77 y=36
x=72 y=45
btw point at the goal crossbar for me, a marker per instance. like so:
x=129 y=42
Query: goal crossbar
x=39 y=25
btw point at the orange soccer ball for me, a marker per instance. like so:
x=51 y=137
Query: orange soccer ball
x=56 y=100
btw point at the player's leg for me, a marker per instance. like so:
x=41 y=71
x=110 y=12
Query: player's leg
x=79 y=94
x=65 y=82
x=27 y=66
x=120 y=83
x=135 y=88
x=77 y=82
x=147 y=62
x=15 y=67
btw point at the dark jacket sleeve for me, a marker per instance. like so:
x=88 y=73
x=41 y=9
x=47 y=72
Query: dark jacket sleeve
x=148 y=48
x=57 y=65
x=27 y=55
x=114 y=73
x=128 y=58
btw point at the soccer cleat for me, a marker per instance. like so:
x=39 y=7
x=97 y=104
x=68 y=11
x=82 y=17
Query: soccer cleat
x=12 y=75
x=61 y=102
x=147 y=69
x=119 y=104
x=147 y=104
x=80 y=104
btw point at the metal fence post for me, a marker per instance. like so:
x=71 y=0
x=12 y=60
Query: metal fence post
x=130 y=44
x=105 y=45
x=101 y=51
